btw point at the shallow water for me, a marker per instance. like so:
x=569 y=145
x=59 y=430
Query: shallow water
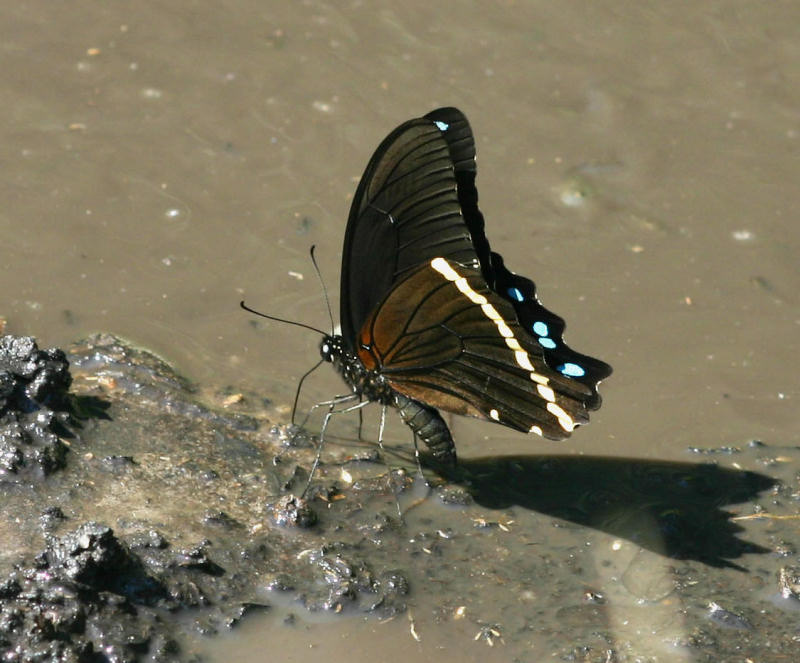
x=639 y=162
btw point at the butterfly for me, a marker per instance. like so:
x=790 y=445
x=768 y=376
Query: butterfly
x=431 y=319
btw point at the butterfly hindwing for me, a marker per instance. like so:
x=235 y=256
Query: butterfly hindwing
x=544 y=325
x=548 y=330
x=443 y=337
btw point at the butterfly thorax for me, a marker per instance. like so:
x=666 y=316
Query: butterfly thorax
x=425 y=421
x=370 y=384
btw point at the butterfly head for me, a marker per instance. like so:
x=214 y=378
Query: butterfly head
x=331 y=348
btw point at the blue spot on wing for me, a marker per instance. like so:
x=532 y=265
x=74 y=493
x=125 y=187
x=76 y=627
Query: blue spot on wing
x=540 y=329
x=548 y=343
x=443 y=126
x=571 y=370
x=515 y=294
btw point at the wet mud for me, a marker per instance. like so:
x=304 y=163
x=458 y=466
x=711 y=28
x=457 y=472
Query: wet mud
x=143 y=514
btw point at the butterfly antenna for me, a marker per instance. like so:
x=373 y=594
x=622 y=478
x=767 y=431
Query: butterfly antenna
x=322 y=283
x=288 y=322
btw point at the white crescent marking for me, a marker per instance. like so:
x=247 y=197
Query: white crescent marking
x=522 y=358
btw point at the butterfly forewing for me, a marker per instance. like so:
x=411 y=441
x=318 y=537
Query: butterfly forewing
x=458 y=134
x=405 y=213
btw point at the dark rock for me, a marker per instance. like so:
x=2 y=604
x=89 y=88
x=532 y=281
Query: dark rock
x=33 y=409
x=280 y=582
x=51 y=517
x=84 y=595
x=91 y=555
x=455 y=495
x=34 y=378
x=292 y=436
x=789 y=582
x=149 y=539
x=118 y=463
x=197 y=558
x=342 y=580
x=239 y=612
x=294 y=511
x=220 y=519
x=724 y=617
x=9 y=589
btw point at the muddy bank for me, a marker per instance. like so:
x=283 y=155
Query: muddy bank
x=140 y=511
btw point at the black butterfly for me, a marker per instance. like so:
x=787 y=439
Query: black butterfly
x=431 y=318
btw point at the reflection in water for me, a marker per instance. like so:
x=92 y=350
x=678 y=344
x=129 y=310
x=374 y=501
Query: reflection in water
x=670 y=508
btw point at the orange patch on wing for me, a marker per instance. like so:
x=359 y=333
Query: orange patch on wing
x=367 y=357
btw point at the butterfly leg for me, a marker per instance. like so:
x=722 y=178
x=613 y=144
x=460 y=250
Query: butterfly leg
x=300 y=386
x=295 y=428
x=336 y=400
x=416 y=454
x=380 y=444
x=331 y=411
x=381 y=427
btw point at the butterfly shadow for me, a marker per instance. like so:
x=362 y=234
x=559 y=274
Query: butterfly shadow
x=674 y=509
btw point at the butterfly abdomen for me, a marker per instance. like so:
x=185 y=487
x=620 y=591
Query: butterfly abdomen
x=428 y=424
